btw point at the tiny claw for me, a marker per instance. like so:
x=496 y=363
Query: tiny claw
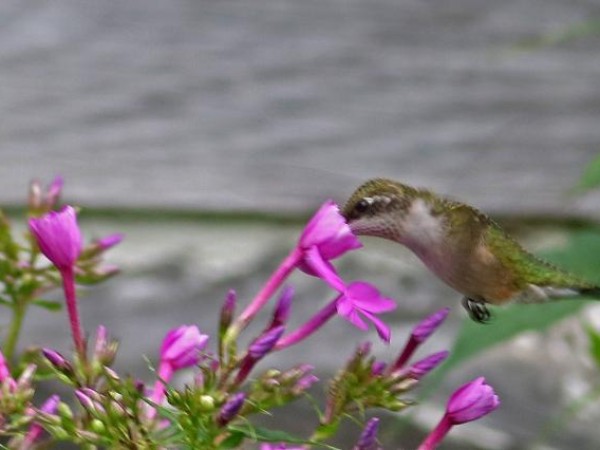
x=477 y=310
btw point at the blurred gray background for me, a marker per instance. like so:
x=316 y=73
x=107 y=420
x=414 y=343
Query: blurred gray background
x=274 y=106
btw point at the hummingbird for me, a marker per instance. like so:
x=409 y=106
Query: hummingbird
x=461 y=245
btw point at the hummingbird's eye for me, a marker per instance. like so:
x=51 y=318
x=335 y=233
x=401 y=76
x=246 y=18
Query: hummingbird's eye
x=362 y=206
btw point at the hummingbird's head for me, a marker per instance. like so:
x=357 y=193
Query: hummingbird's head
x=377 y=208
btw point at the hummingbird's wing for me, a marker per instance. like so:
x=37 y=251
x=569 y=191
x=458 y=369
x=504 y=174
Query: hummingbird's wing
x=539 y=279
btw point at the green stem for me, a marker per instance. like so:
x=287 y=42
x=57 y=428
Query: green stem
x=14 y=330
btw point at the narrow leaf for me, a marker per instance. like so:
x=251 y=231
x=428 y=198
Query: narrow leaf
x=50 y=305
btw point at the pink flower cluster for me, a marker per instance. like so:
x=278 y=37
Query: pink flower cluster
x=326 y=237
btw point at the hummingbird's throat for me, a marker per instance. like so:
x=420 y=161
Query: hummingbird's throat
x=420 y=228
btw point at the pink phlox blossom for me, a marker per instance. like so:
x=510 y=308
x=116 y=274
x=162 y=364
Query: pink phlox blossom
x=469 y=402
x=361 y=299
x=472 y=401
x=58 y=236
x=5 y=376
x=181 y=346
x=35 y=430
x=325 y=237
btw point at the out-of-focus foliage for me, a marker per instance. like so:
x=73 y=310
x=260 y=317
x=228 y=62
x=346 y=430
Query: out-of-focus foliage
x=590 y=178
x=577 y=30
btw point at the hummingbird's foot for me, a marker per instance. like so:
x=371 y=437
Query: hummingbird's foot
x=477 y=310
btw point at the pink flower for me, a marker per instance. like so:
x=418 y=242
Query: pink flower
x=469 y=402
x=59 y=239
x=181 y=347
x=472 y=401
x=359 y=299
x=58 y=236
x=362 y=300
x=329 y=233
x=5 y=376
x=4 y=372
x=325 y=237
x=48 y=407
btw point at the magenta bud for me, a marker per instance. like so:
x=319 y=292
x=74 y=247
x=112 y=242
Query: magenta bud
x=228 y=310
x=57 y=360
x=54 y=191
x=378 y=368
x=85 y=400
x=305 y=383
x=421 y=368
x=283 y=308
x=427 y=326
x=4 y=372
x=231 y=408
x=265 y=343
x=368 y=437
x=108 y=241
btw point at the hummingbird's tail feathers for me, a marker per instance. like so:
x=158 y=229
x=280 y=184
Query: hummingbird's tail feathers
x=535 y=293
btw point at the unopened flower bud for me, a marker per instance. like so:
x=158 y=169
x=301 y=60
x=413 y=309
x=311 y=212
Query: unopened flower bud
x=97 y=426
x=378 y=368
x=109 y=241
x=26 y=376
x=110 y=373
x=64 y=411
x=420 y=333
x=228 y=310
x=265 y=343
x=421 y=368
x=368 y=438
x=57 y=360
x=207 y=402
x=304 y=383
x=231 y=408
x=34 y=199
x=283 y=308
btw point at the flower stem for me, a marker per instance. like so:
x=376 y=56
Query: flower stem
x=14 y=330
x=436 y=436
x=407 y=352
x=316 y=322
x=165 y=373
x=68 y=278
x=263 y=296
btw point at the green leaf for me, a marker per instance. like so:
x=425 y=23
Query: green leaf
x=50 y=305
x=581 y=256
x=265 y=435
x=234 y=440
x=590 y=178
x=594 y=338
